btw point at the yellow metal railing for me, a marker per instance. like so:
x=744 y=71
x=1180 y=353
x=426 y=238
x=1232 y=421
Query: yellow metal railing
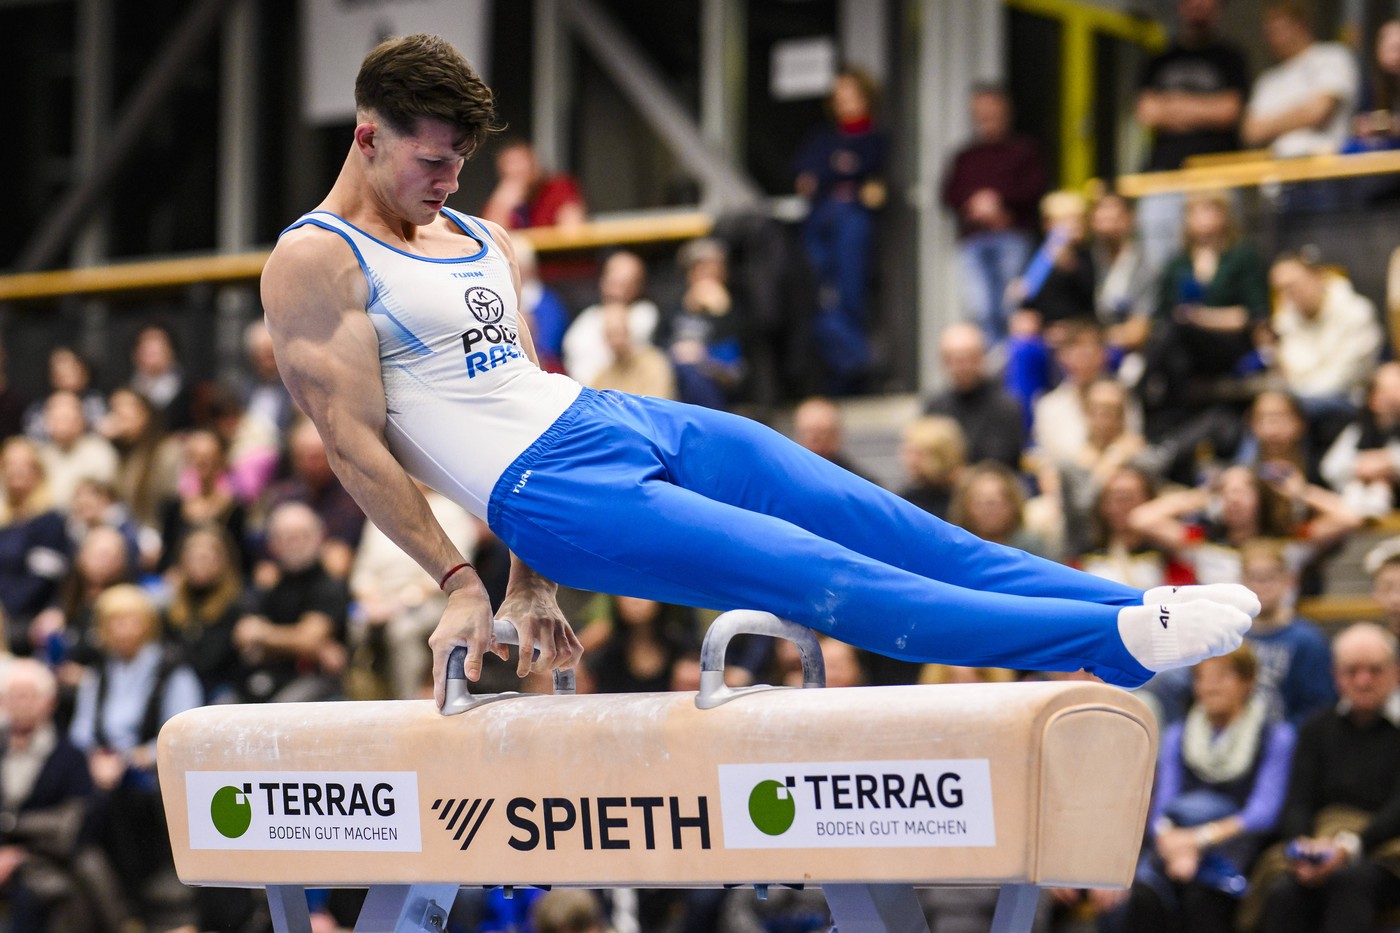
x=1245 y=173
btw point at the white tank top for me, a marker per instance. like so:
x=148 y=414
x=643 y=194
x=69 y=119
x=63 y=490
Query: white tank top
x=463 y=400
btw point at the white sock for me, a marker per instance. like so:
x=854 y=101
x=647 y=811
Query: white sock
x=1167 y=635
x=1231 y=594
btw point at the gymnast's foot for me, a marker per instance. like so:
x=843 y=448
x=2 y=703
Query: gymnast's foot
x=1165 y=634
x=1231 y=594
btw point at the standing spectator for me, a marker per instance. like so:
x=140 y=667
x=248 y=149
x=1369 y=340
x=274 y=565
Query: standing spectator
x=204 y=498
x=261 y=391
x=544 y=312
x=293 y=642
x=1295 y=661
x=1213 y=296
x=1342 y=815
x=399 y=604
x=622 y=282
x=703 y=334
x=73 y=452
x=933 y=453
x=1221 y=778
x=69 y=371
x=206 y=600
x=1191 y=96
x=49 y=878
x=527 y=196
x=839 y=172
x=989 y=417
x=122 y=703
x=13 y=403
x=1363 y=463
x=1124 y=280
x=637 y=368
x=157 y=375
x=315 y=483
x=148 y=461
x=1303 y=104
x=817 y=425
x=993 y=185
x=1329 y=337
x=33 y=540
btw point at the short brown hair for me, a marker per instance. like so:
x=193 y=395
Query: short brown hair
x=420 y=75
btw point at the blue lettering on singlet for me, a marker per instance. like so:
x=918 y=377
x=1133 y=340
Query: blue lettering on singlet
x=485 y=361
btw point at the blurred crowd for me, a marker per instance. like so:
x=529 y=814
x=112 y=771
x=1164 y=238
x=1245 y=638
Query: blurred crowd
x=1133 y=389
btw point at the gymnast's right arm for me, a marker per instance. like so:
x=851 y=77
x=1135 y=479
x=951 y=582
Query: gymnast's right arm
x=314 y=295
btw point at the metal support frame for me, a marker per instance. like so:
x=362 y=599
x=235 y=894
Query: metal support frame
x=552 y=85
x=723 y=68
x=186 y=41
x=1015 y=911
x=725 y=186
x=875 y=908
x=237 y=178
x=388 y=908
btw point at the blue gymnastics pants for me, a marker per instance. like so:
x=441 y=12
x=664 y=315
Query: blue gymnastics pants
x=655 y=499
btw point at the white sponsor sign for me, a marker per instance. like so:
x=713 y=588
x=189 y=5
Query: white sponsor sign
x=311 y=811
x=857 y=804
x=802 y=68
x=339 y=33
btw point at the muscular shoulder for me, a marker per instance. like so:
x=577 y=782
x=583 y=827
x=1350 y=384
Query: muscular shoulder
x=311 y=264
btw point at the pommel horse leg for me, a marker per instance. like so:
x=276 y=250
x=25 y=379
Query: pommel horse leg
x=388 y=908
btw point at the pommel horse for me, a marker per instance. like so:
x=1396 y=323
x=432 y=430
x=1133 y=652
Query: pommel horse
x=865 y=792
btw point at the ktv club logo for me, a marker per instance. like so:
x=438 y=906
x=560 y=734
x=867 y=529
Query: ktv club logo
x=230 y=810
x=772 y=807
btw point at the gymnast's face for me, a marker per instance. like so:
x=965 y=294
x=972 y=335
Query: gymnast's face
x=411 y=174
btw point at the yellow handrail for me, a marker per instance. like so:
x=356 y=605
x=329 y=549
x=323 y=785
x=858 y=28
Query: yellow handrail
x=150 y=275
x=1256 y=172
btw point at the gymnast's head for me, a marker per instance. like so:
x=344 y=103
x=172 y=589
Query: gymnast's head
x=421 y=111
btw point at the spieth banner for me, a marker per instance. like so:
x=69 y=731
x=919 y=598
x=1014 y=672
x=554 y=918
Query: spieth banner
x=857 y=804
x=312 y=811
x=338 y=33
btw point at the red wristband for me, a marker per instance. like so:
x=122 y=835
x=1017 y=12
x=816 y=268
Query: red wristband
x=442 y=584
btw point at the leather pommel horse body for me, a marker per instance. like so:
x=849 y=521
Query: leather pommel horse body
x=865 y=792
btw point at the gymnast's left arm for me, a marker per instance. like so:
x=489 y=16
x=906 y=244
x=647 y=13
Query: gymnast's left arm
x=530 y=601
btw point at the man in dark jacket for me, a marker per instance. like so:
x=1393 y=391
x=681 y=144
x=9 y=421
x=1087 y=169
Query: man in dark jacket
x=989 y=417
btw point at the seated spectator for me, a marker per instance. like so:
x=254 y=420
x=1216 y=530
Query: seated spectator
x=526 y=196
x=314 y=483
x=622 y=282
x=993 y=185
x=1278 y=437
x=399 y=603
x=817 y=425
x=253 y=445
x=73 y=452
x=206 y=600
x=1339 y=820
x=988 y=415
x=1124 y=279
x=1376 y=125
x=1302 y=105
x=1363 y=463
x=95 y=505
x=292 y=644
x=1294 y=659
x=64 y=633
x=1056 y=287
x=544 y=312
x=1109 y=446
x=1060 y=426
x=122 y=703
x=1116 y=550
x=1205 y=527
x=261 y=390
x=1383 y=564
x=49 y=878
x=33 y=540
x=990 y=503
x=13 y=402
x=148 y=461
x=567 y=910
x=1221 y=779
x=840 y=172
x=637 y=368
x=933 y=453
x=1329 y=337
x=643 y=642
x=157 y=375
x=69 y=371
x=205 y=497
x=1213 y=296
x=702 y=335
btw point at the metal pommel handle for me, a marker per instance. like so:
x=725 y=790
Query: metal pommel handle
x=714 y=691
x=459 y=695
